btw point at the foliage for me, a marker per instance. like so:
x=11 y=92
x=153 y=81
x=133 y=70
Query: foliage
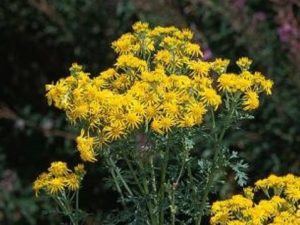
x=148 y=116
x=36 y=49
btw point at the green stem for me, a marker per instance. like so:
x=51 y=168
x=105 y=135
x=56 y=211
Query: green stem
x=77 y=204
x=208 y=185
x=118 y=186
x=146 y=193
x=191 y=185
x=133 y=173
x=142 y=187
x=117 y=171
x=162 y=184
x=66 y=208
x=216 y=149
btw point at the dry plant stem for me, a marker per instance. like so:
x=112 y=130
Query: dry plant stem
x=153 y=179
x=216 y=148
x=154 y=184
x=173 y=206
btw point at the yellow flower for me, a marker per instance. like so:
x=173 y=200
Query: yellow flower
x=170 y=108
x=121 y=82
x=147 y=45
x=58 y=95
x=108 y=74
x=210 y=97
x=187 y=34
x=40 y=182
x=115 y=130
x=133 y=119
x=232 y=83
x=56 y=185
x=193 y=49
x=79 y=111
x=166 y=123
x=226 y=82
x=72 y=182
x=140 y=26
x=163 y=56
x=267 y=86
x=130 y=61
x=75 y=69
x=137 y=108
x=244 y=63
x=79 y=169
x=248 y=192
x=187 y=121
x=150 y=112
x=251 y=100
x=85 y=146
x=200 y=68
x=220 y=65
x=196 y=109
x=157 y=126
x=170 y=42
x=58 y=168
x=125 y=44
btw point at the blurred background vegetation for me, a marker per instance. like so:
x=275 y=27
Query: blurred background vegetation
x=39 y=40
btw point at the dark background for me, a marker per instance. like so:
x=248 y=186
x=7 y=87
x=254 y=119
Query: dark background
x=40 y=39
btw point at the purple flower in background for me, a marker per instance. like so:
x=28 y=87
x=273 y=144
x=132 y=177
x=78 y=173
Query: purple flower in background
x=207 y=53
x=239 y=3
x=285 y=31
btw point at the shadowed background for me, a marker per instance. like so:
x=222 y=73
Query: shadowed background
x=39 y=40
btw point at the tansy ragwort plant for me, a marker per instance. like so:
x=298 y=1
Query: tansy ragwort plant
x=63 y=184
x=280 y=208
x=157 y=119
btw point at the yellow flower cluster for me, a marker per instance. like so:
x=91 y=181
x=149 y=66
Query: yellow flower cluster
x=282 y=207
x=158 y=83
x=59 y=178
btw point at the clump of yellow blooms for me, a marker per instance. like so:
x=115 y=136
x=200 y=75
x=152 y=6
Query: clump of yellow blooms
x=282 y=206
x=59 y=178
x=158 y=83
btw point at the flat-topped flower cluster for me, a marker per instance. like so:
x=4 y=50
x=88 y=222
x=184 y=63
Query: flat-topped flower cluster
x=59 y=178
x=280 y=208
x=158 y=83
